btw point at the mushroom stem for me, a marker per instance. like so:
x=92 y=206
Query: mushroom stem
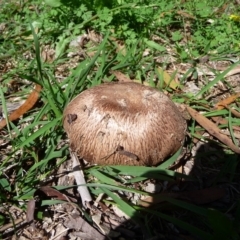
x=80 y=180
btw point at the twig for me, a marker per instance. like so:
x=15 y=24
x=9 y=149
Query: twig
x=80 y=180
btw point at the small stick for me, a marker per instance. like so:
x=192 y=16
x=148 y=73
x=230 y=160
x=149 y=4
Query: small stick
x=80 y=180
x=120 y=150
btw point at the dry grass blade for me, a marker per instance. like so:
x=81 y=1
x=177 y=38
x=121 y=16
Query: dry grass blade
x=212 y=129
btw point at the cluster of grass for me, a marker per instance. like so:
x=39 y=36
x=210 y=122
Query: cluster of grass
x=184 y=30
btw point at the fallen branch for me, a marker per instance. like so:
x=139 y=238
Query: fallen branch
x=212 y=129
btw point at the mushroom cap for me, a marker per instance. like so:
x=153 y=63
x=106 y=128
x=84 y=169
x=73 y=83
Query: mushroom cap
x=123 y=124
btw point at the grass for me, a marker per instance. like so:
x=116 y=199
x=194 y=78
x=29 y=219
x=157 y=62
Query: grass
x=159 y=44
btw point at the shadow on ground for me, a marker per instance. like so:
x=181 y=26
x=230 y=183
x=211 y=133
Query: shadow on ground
x=215 y=184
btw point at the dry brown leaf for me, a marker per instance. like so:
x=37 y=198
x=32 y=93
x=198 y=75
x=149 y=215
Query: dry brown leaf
x=226 y=132
x=30 y=210
x=212 y=129
x=121 y=77
x=233 y=111
x=26 y=106
x=202 y=196
x=51 y=192
x=220 y=120
x=220 y=105
x=169 y=81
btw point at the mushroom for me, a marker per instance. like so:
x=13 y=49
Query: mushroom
x=123 y=124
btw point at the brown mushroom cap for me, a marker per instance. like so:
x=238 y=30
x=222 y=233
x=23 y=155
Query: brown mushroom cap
x=124 y=123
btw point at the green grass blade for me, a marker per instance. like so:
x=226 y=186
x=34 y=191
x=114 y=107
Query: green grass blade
x=111 y=187
x=170 y=161
x=37 y=52
x=39 y=132
x=184 y=225
x=125 y=207
x=4 y=108
x=218 y=78
x=103 y=178
x=231 y=129
x=188 y=206
x=148 y=172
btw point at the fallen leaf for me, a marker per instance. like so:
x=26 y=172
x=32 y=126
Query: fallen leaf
x=121 y=77
x=169 y=80
x=30 y=211
x=233 y=111
x=212 y=129
x=26 y=106
x=220 y=105
x=51 y=192
x=220 y=120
